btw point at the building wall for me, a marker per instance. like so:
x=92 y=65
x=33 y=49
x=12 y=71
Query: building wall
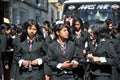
x=52 y=13
x=19 y=11
x=1 y=12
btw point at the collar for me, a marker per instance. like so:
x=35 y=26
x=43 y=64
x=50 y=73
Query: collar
x=28 y=39
x=52 y=36
x=78 y=32
x=103 y=39
x=44 y=31
x=60 y=42
x=117 y=34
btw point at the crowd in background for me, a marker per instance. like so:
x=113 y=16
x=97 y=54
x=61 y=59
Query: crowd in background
x=60 y=51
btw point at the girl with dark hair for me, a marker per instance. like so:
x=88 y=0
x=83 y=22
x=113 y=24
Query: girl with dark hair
x=110 y=24
x=48 y=41
x=63 y=55
x=30 y=54
x=80 y=37
x=45 y=30
x=116 y=30
x=102 y=54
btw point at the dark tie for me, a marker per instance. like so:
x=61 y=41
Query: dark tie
x=63 y=47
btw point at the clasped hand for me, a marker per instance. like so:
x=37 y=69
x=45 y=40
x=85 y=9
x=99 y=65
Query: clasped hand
x=68 y=64
x=93 y=58
x=26 y=63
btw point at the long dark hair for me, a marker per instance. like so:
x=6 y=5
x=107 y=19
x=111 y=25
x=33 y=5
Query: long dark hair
x=100 y=30
x=30 y=22
x=80 y=22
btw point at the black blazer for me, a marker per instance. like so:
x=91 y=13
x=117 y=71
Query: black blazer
x=48 y=41
x=24 y=53
x=2 y=49
x=80 y=43
x=55 y=56
x=13 y=74
x=104 y=49
x=2 y=43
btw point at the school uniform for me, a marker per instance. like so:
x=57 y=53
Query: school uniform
x=48 y=41
x=56 y=56
x=116 y=43
x=7 y=56
x=2 y=49
x=15 y=67
x=117 y=36
x=102 y=70
x=2 y=43
x=80 y=41
x=23 y=53
x=44 y=33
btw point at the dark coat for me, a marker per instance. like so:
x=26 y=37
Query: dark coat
x=2 y=49
x=47 y=69
x=23 y=52
x=104 y=49
x=55 y=56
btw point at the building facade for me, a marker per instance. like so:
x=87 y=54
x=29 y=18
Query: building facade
x=19 y=11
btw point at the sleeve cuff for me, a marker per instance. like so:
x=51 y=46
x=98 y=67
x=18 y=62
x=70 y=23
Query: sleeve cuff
x=39 y=61
x=20 y=62
x=103 y=59
x=59 y=65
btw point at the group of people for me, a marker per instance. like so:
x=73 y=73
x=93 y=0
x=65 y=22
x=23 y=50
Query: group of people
x=60 y=51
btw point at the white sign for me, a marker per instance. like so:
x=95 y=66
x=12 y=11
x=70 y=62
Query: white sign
x=115 y=6
x=94 y=6
x=71 y=7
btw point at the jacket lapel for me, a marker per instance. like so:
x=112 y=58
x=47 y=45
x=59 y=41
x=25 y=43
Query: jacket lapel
x=67 y=49
x=99 y=46
x=26 y=46
x=59 y=49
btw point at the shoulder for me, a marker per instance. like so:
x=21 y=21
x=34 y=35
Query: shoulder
x=54 y=43
x=71 y=42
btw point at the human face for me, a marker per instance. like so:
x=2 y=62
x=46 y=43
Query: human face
x=63 y=33
x=92 y=36
x=32 y=30
x=110 y=26
x=7 y=31
x=46 y=27
x=77 y=25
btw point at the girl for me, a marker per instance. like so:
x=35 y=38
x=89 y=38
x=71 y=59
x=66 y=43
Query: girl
x=102 y=53
x=63 y=56
x=30 y=56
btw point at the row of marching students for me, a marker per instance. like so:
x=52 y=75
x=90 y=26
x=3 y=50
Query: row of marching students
x=62 y=55
x=7 y=34
x=77 y=55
